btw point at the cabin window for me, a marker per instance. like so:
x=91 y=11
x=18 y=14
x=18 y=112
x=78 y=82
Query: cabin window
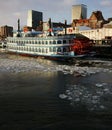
x=54 y=42
x=50 y=42
x=39 y=42
x=46 y=42
x=35 y=42
x=29 y=49
x=32 y=42
x=36 y=50
x=64 y=41
x=42 y=50
x=59 y=49
x=64 y=49
x=51 y=49
x=46 y=50
x=59 y=42
x=70 y=41
x=42 y=42
x=26 y=41
x=54 y=49
x=39 y=50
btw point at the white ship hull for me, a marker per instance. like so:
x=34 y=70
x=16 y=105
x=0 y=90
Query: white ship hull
x=50 y=46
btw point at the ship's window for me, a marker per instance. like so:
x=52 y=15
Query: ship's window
x=50 y=42
x=42 y=50
x=59 y=49
x=54 y=49
x=59 y=42
x=26 y=41
x=32 y=42
x=51 y=49
x=46 y=50
x=32 y=49
x=64 y=49
x=42 y=42
x=67 y=49
x=46 y=42
x=39 y=50
x=64 y=41
x=35 y=42
x=35 y=49
x=54 y=42
x=70 y=41
x=39 y=42
x=26 y=49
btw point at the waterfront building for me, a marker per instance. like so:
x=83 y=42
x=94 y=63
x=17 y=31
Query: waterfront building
x=96 y=20
x=6 y=31
x=97 y=34
x=79 y=12
x=34 y=18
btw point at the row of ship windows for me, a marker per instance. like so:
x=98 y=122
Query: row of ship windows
x=43 y=42
x=43 y=50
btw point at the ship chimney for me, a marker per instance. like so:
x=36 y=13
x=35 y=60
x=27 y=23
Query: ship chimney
x=18 y=35
x=18 y=25
x=50 y=27
x=65 y=27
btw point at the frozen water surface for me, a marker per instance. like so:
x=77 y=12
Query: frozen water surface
x=21 y=64
x=94 y=98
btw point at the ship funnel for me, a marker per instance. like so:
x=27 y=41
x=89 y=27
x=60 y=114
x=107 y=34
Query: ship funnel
x=18 y=25
x=50 y=27
x=18 y=34
x=65 y=27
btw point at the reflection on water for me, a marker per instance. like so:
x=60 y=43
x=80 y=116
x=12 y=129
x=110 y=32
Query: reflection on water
x=38 y=94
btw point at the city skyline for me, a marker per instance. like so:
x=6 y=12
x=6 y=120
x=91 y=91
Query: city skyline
x=58 y=11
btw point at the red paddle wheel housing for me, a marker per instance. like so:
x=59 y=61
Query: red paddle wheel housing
x=81 y=46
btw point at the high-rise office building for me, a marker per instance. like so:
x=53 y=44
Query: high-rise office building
x=79 y=12
x=34 y=18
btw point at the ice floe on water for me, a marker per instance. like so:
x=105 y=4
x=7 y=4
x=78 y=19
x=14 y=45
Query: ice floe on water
x=20 y=64
x=93 y=98
x=98 y=96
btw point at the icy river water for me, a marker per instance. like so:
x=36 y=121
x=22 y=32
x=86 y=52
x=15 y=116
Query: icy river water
x=40 y=94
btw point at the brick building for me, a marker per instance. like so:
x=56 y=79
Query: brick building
x=96 y=20
x=6 y=31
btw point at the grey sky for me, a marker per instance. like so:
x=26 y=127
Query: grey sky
x=57 y=10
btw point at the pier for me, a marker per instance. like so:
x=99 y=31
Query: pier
x=103 y=49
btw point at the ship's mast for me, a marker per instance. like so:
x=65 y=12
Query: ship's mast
x=65 y=27
x=50 y=27
x=18 y=35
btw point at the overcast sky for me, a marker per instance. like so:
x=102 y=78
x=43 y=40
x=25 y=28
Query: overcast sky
x=57 y=10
